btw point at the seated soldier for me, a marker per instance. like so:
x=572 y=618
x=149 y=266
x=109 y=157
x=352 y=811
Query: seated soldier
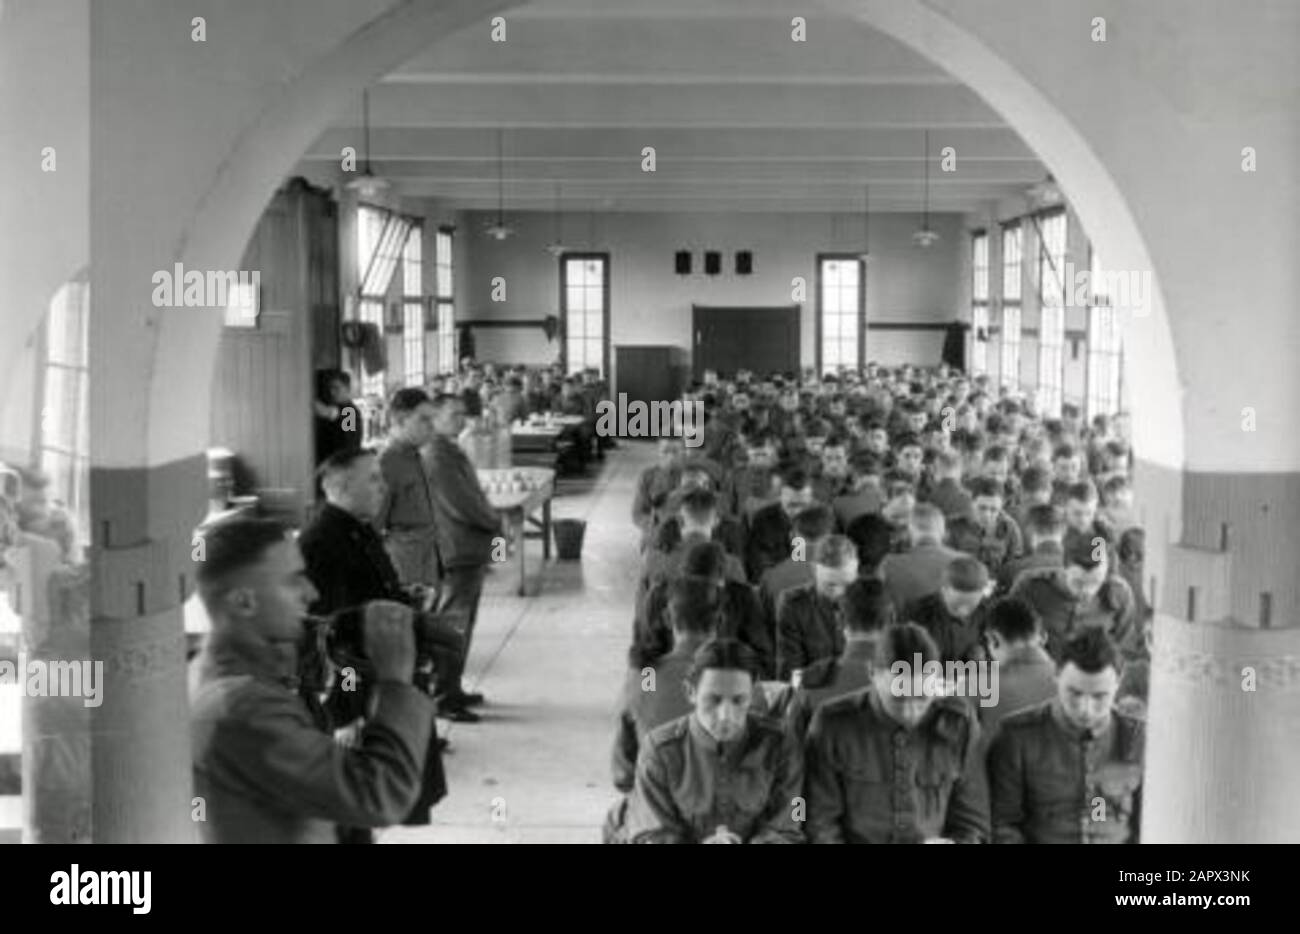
x=909 y=458
x=811 y=527
x=1117 y=504
x=667 y=532
x=718 y=774
x=1035 y=490
x=948 y=494
x=741 y=615
x=832 y=475
x=656 y=693
x=767 y=541
x=697 y=517
x=1069 y=770
x=1083 y=527
x=917 y=572
x=1067 y=470
x=867 y=612
x=1044 y=533
x=1081 y=595
x=896 y=762
x=655 y=484
x=1026 y=673
x=989 y=534
x=865 y=494
x=873 y=537
x=954 y=616
x=900 y=500
x=810 y=618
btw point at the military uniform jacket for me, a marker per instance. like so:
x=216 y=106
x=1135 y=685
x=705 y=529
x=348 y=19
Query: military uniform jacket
x=466 y=523
x=688 y=785
x=870 y=780
x=1050 y=783
x=1062 y=616
x=808 y=627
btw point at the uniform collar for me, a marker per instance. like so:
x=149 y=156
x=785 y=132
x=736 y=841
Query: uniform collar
x=229 y=652
x=1074 y=732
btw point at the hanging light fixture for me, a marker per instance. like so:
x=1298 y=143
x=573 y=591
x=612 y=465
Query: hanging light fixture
x=556 y=247
x=925 y=237
x=499 y=229
x=1046 y=194
x=865 y=255
x=367 y=184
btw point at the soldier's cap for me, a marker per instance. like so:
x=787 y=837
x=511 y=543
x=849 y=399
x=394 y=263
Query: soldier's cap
x=966 y=574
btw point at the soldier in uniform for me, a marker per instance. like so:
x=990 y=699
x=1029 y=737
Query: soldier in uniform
x=810 y=617
x=1069 y=770
x=718 y=774
x=897 y=762
x=1083 y=594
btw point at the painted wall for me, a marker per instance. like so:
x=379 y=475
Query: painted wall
x=651 y=304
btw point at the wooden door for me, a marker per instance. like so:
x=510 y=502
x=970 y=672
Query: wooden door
x=764 y=339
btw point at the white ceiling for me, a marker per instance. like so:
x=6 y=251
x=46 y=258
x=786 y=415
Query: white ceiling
x=740 y=117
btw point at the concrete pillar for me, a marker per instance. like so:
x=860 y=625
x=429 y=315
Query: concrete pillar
x=1222 y=758
x=142 y=576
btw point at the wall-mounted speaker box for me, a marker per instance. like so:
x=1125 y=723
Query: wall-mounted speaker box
x=682 y=262
x=713 y=262
x=744 y=262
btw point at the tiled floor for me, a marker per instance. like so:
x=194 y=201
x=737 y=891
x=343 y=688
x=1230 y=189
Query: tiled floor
x=536 y=769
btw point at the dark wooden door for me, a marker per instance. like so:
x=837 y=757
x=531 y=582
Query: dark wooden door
x=762 y=339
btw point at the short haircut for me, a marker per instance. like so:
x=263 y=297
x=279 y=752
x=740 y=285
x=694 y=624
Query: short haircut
x=986 y=486
x=835 y=551
x=1115 y=484
x=902 y=642
x=233 y=544
x=816 y=521
x=1083 y=491
x=693 y=605
x=794 y=475
x=873 y=536
x=1091 y=651
x=444 y=399
x=698 y=503
x=906 y=441
x=996 y=452
x=927 y=516
x=867 y=607
x=1045 y=521
x=1082 y=554
x=1035 y=480
x=341 y=462
x=865 y=462
x=407 y=400
x=966 y=574
x=1013 y=619
x=1063 y=450
x=705 y=559
x=726 y=654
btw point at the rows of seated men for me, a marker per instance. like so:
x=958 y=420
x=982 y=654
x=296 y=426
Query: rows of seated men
x=823 y=524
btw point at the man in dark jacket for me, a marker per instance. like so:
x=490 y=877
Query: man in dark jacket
x=266 y=769
x=767 y=541
x=466 y=527
x=810 y=618
x=1069 y=770
x=347 y=564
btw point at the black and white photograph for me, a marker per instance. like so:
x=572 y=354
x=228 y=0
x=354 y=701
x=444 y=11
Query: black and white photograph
x=651 y=421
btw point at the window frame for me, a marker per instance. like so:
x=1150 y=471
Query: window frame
x=1012 y=265
x=979 y=313
x=564 y=260
x=1051 y=305
x=861 y=313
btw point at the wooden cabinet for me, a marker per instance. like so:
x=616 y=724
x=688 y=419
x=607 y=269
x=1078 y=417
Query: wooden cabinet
x=650 y=373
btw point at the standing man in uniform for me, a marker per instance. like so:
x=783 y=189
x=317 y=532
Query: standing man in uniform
x=466 y=527
x=406 y=519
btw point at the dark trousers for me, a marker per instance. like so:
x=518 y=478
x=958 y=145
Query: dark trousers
x=461 y=589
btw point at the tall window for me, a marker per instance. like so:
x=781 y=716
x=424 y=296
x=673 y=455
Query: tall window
x=413 y=308
x=979 y=312
x=1105 y=347
x=1051 y=291
x=65 y=415
x=1010 y=363
x=584 y=293
x=381 y=238
x=841 y=310
x=444 y=301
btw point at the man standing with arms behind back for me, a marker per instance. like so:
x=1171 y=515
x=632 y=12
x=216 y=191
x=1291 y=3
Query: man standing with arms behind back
x=466 y=526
